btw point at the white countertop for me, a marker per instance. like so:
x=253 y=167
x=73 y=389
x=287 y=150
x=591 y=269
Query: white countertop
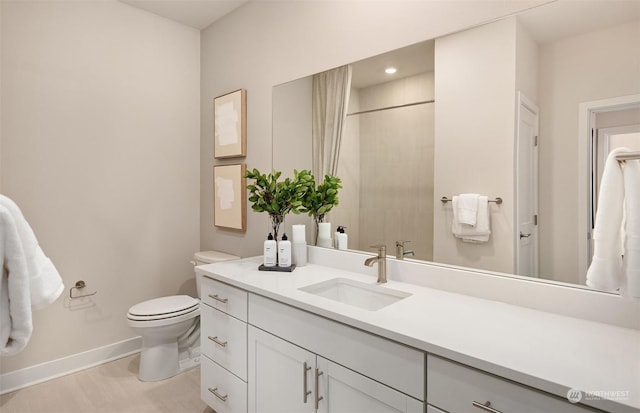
x=546 y=351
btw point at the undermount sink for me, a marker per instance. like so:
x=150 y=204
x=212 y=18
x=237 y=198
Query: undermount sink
x=370 y=297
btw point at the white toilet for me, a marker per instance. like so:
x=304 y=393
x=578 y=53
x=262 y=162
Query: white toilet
x=170 y=328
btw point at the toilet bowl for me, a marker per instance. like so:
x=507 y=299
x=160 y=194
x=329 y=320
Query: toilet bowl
x=170 y=329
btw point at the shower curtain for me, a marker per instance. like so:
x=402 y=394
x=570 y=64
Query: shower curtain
x=330 y=100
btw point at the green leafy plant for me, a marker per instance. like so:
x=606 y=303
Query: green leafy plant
x=278 y=198
x=321 y=199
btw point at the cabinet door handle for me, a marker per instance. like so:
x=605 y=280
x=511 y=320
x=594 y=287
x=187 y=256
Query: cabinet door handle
x=486 y=406
x=218 y=342
x=218 y=395
x=217 y=298
x=318 y=397
x=305 y=386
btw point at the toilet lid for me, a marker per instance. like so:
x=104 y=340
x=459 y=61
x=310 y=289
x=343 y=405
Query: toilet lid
x=163 y=307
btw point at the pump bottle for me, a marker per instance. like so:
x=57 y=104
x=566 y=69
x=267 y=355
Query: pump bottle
x=284 y=252
x=270 y=252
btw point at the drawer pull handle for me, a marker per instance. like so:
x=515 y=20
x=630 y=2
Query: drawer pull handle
x=217 y=298
x=218 y=342
x=318 y=397
x=218 y=395
x=486 y=406
x=305 y=385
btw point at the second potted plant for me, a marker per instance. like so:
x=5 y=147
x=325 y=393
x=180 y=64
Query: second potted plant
x=321 y=199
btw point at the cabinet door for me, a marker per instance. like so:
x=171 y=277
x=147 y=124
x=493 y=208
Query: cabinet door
x=281 y=375
x=345 y=391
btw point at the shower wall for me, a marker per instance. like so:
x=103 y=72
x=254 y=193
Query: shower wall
x=395 y=160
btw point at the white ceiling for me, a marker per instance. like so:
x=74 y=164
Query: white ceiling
x=195 y=13
x=409 y=61
x=547 y=23
x=561 y=19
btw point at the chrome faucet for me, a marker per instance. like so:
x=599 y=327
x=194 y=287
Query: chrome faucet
x=381 y=259
x=400 y=252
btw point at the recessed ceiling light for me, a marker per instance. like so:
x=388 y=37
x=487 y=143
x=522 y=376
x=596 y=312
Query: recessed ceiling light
x=390 y=70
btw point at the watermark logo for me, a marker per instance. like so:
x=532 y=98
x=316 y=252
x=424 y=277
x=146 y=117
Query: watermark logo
x=576 y=396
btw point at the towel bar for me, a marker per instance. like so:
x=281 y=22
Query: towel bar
x=498 y=200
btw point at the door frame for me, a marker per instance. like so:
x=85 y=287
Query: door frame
x=586 y=153
x=526 y=103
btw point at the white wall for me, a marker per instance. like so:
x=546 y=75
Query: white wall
x=100 y=149
x=475 y=77
x=597 y=65
x=263 y=44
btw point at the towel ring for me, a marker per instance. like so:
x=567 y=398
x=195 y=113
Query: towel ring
x=79 y=286
x=498 y=200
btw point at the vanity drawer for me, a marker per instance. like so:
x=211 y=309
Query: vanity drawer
x=221 y=390
x=224 y=340
x=455 y=388
x=393 y=364
x=231 y=300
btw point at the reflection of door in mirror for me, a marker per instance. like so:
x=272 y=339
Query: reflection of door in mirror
x=527 y=187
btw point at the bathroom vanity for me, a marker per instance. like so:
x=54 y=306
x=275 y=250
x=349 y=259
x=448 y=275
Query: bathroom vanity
x=332 y=340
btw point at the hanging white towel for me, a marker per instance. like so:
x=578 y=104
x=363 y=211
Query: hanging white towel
x=44 y=280
x=15 y=308
x=481 y=231
x=465 y=209
x=631 y=260
x=605 y=271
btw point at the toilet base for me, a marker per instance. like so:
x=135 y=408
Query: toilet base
x=158 y=359
x=161 y=361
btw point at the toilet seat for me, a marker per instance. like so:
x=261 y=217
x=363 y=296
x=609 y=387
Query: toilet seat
x=164 y=308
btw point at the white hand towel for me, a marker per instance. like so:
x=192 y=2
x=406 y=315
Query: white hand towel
x=631 y=260
x=465 y=209
x=15 y=309
x=45 y=282
x=482 y=231
x=605 y=271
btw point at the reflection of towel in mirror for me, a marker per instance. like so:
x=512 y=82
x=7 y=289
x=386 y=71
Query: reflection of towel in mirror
x=481 y=232
x=15 y=307
x=45 y=283
x=465 y=208
x=631 y=260
x=605 y=271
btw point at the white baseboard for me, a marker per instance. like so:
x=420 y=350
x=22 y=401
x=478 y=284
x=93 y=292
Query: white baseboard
x=39 y=373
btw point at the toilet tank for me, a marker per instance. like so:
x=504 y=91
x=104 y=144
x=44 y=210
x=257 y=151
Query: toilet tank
x=209 y=257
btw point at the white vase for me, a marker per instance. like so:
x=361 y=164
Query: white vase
x=324 y=235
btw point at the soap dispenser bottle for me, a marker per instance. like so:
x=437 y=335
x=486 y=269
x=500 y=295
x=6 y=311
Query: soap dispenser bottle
x=270 y=252
x=341 y=238
x=284 y=252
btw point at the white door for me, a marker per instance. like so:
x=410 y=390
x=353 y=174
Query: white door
x=281 y=375
x=526 y=234
x=344 y=391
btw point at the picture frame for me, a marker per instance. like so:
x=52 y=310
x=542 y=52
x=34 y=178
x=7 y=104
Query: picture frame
x=230 y=125
x=230 y=197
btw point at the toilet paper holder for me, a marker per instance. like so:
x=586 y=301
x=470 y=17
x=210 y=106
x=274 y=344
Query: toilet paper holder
x=79 y=286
